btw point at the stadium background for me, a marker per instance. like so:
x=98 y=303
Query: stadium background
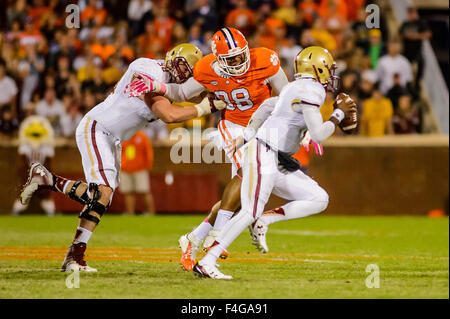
x=397 y=163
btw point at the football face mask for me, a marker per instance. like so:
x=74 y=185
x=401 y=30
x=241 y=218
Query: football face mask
x=180 y=62
x=179 y=69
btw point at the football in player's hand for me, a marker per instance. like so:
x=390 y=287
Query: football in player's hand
x=349 y=123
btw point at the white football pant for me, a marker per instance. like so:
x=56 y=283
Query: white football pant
x=261 y=177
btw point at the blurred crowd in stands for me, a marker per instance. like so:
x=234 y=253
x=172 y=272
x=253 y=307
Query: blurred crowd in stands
x=60 y=73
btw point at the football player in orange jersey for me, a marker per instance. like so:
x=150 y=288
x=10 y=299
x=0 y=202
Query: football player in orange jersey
x=243 y=78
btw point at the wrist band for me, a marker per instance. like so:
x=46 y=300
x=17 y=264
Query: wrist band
x=338 y=114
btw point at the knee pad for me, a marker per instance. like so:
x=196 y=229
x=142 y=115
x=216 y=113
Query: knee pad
x=94 y=205
x=83 y=199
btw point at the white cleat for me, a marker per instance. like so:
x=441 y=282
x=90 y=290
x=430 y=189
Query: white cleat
x=209 y=271
x=258 y=232
x=38 y=176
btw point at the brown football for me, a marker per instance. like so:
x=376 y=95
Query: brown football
x=349 y=123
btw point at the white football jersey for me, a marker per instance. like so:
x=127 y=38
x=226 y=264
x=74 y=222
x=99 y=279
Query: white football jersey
x=284 y=128
x=123 y=116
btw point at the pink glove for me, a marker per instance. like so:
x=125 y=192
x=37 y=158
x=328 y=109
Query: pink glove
x=142 y=84
x=318 y=148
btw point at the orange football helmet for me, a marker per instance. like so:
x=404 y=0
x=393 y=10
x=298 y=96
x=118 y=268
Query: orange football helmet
x=230 y=48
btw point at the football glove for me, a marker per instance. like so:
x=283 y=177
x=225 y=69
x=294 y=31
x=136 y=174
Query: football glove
x=143 y=84
x=208 y=105
x=318 y=148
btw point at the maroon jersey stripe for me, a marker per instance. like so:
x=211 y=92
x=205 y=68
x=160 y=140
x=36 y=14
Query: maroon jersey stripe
x=97 y=153
x=258 y=183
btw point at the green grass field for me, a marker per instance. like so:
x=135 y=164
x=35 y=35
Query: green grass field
x=316 y=257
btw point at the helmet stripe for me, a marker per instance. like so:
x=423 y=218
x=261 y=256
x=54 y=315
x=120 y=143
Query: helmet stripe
x=232 y=37
x=228 y=38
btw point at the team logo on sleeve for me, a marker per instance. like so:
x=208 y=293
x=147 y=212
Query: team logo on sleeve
x=274 y=59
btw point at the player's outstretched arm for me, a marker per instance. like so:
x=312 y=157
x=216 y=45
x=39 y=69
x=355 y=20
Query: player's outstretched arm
x=183 y=92
x=143 y=84
x=170 y=113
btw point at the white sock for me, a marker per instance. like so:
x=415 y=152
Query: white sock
x=212 y=255
x=229 y=233
x=202 y=230
x=222 y=217
x=293 y=210
x=82 y=235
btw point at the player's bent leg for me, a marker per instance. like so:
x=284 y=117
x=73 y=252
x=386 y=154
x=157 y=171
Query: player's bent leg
x=100 y=197
x=306 y=198
x=40 y=177
x=98 y=203
x=257 y=184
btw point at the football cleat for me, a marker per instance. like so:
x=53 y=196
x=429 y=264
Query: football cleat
x=209 y=241
x=258 y=232
x=38 y=177
x=209 y=271
x=75 y=259
x=189 y=245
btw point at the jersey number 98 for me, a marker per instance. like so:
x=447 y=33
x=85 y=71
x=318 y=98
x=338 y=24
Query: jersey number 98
x=240 y=98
